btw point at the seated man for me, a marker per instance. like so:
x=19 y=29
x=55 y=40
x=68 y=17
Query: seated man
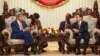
x=64 y=25
x=20 y=30
x=80 y=29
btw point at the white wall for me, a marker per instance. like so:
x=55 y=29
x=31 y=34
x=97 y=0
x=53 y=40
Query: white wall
x=49 y=17
x=1 y=6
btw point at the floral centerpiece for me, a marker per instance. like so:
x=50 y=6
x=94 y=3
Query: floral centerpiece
x=50 y=31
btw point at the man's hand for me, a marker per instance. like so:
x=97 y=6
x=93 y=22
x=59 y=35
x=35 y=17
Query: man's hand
x=76 y=30
x=27 y=29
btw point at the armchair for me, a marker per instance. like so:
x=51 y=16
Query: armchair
x=13 y=43
x=92 y=30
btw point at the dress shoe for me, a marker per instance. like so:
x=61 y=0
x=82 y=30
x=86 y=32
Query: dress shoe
x=84 y=52
x=78 y=53
x=74 y=50
x=59 y=49
x=39 y=52
x=26 y=53
x=96 y=52
x=43 y=50
x=63 y=51
x=34 y=52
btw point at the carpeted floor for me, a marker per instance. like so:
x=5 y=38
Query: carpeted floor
x=52 y=50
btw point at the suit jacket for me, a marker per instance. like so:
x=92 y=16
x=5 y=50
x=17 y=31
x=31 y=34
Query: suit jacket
x=16 y=29
x=39 y=25
x=83 y=30
x=62 y=25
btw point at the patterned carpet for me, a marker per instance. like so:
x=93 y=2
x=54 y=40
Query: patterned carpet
x=52 y=50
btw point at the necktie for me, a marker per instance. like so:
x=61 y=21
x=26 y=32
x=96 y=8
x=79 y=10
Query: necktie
x=79 y=23
x=67 y=25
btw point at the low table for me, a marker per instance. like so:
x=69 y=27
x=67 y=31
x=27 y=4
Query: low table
x=51 y=38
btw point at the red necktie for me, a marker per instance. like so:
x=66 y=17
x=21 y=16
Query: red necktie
x=67 y=25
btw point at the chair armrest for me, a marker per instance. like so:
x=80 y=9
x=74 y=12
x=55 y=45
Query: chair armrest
x=69 y=31
x=6 y=33
x=95 y=32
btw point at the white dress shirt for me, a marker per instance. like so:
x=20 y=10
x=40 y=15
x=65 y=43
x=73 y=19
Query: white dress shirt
x=20 y=25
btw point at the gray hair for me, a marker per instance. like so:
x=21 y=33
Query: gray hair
x=18 y=14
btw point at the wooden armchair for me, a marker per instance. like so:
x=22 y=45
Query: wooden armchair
x=16 y=44
x=92 y=30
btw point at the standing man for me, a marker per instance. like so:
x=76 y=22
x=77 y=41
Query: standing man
x=37 y=29
x=80 y=29
x=20 y=30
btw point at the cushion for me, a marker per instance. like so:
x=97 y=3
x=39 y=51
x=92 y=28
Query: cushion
x=72 y=20
x=91 y=28
x=8 y=30
x=91 y=22
x=91 y=41
x=15 y=41
x=9 y=20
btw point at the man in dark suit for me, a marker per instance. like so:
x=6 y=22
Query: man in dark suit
x=20 y=30
x=64 y=25
x=80 y=29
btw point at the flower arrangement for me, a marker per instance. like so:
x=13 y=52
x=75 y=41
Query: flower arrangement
x=50 y=31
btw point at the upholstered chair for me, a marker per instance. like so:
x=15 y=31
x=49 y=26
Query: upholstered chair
x=13 y=43
x=91 y=28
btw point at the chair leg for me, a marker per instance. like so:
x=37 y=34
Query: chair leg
x=63 y=48
x=74 y=49
x=7 y=50
x=92 y=48
x=68 y=49
x=96 y=50
x=1 y=51
x=17 y=49
x=96 y=45
x=1 y=48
